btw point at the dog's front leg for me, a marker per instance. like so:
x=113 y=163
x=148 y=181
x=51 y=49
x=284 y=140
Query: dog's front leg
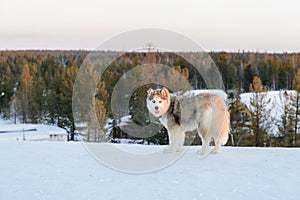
x=176 y=140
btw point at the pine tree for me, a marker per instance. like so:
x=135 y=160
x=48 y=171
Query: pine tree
x=38 y=92
x=286 y=124
x=25 y=95
x=54 y=98
x=67 y=119
x=86 y=86
x=297 y=100
x=176 y=78
x=102 y=93
x=97 y=119
x=95 y=92
x=274 y=65
x=248 y=77
x=260 y=113
x=89 y=86
x=222 y=64
x=6 y=93
x=239 y=114
x=110 y=79
x=298 y=61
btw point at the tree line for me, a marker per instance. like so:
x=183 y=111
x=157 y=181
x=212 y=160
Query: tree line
x=36 y=87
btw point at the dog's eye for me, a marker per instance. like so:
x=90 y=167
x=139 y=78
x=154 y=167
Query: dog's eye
x=153 y=101
x=160 y=102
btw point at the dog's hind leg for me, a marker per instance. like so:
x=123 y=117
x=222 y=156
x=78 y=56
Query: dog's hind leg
x=204 y=148
x=221 y=132
x=217 y=148
x=202 y=132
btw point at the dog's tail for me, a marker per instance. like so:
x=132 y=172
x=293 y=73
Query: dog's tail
x=224 y=135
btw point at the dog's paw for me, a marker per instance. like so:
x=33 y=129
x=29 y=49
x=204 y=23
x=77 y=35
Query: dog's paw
x=216 y=150
x=202 y=153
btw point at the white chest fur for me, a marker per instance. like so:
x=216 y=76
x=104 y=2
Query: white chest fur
x=163 y=120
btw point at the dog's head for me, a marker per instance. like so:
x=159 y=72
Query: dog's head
x=158 y=101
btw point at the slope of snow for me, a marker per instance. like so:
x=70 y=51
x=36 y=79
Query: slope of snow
x=218 y=92
x=275 y=106
x=53 y=170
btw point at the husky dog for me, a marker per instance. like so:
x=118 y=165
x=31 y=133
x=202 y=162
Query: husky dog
x=206 y=113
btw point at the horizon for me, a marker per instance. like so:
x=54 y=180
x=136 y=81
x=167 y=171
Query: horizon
x=206 y=51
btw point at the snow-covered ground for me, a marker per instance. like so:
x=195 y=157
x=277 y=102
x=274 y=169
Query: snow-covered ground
x=56 y=170
x=32 y=132
x=218 y=92
x=65 y=170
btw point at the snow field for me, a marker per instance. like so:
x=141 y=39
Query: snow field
x=65 y=170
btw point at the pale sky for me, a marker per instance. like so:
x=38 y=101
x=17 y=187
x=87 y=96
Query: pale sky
x=231 y=25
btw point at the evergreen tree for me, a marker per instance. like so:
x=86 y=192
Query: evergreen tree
x=298 y=61
x=102 y=93
x=6 y=93
x=248 y=77
x=25 y=95
x=239 y=120
x=274 y=65
x=54 y=97
x=288 y=70
x=260 y=113
x=94 y=113
x=66 y=119
x=87 y=80
x=297 y=100
x=222 y=64
x=97 y=119
x=110 y=79
x=138 y=109
x=286 y=124
x=38 y=92
x=48 y=68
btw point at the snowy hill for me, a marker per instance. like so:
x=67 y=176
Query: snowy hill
x=54 y=170
x=275 y=106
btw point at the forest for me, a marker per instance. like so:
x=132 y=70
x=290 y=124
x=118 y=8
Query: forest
x=36 y=86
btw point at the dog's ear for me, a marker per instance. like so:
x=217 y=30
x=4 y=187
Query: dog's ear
x=149 y=92
x=165 y=93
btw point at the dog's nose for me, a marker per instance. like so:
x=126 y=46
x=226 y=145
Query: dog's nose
x=156 y=107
